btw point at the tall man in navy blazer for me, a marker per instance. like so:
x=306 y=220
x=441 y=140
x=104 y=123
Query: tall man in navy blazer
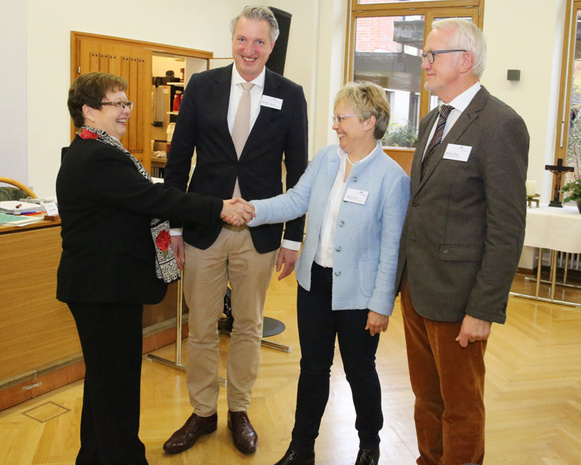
x=460 y=245
x=214 y=256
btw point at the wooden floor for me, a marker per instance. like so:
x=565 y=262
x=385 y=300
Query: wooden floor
x=533 y=398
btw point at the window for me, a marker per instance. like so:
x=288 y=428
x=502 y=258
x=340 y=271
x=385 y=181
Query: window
x=386 y=40
x=568 y=145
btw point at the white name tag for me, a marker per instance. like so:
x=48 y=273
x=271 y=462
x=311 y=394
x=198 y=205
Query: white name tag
x=271 y=102
x=51 y=209
x=356 y=196
x=457 y=152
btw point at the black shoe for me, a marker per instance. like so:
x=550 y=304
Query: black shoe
x=367 y=457
x=297 y=457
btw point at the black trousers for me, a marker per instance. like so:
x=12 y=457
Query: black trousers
x=111 y=338
x=319 y=326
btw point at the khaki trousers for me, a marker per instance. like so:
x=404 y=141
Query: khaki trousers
x=448 y=382
x=231 y=259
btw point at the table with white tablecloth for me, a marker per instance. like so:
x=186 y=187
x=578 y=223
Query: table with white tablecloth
x=556 y=229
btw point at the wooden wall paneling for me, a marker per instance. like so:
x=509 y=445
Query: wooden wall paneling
x=142 y=114
x=93 y=64
x=36 y=328
x=132 y=126
x=124 y=73
x=114 y=64
x=104 y=63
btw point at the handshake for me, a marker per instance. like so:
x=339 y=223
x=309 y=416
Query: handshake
x=237 y=211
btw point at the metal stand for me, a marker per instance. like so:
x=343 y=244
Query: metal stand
x=179 y=321
x=552 y=282
x=270 y=327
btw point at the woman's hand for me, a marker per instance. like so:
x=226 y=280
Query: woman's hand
x=376 y=322
x=237 y=211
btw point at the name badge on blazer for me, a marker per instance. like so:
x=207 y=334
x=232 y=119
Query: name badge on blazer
x=457 y=152
x=356 y=196
x=271 y=102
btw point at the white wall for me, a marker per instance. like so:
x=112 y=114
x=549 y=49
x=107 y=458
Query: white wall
x=186 y=23
x=36 y=122
x=13 y=160
x=529 y=38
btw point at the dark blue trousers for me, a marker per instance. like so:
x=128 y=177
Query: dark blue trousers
x=319 y=326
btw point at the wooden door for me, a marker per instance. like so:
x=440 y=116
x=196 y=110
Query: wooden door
x=132 y=60
x=133 y=63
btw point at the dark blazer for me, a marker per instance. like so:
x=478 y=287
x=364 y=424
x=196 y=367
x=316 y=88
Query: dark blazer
x=202 y=125
x=106 y=206
x=464 y=229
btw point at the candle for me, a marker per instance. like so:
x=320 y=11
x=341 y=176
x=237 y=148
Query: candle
x=531 y=187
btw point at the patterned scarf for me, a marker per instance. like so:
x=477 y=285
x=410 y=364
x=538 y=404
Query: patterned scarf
x=166 y=267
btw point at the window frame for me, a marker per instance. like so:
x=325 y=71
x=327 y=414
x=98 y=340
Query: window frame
x=565 y=87
x=429 y=10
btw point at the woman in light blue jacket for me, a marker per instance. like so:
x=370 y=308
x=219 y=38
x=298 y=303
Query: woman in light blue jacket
x=356 y=198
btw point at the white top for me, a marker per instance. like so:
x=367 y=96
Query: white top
x=324 y=254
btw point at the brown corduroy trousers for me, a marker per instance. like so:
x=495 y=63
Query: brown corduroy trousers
x=448 y=382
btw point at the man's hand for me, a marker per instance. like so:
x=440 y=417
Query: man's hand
x=376 y=322
x=473 y=330
x=179 y=251
x=237 y=211
x=286 y=258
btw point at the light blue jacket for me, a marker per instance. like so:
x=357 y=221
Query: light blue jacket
x=367 y=236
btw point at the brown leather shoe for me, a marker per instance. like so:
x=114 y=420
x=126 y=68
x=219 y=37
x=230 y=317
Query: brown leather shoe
x=187 y=435
x=244 y=435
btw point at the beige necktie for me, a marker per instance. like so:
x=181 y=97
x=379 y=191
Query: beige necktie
x=241 y=126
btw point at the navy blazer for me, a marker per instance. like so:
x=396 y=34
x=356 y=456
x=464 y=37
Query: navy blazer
x=202 y=125
x=464 y=229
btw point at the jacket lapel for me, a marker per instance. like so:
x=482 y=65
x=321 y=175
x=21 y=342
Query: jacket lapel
x=270 y=89
x=333 y=165
x=271 y=85
x=415 y=178
x=468 y=116
x=220 y=102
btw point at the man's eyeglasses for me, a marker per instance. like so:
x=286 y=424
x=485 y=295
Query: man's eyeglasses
x=431 y=55
x=120 y=105
x=339 y=118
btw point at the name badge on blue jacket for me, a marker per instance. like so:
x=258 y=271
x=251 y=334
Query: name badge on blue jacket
x=356 y=196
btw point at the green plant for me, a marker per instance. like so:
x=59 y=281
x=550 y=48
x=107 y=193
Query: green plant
x=400 y=135
x=573 y=190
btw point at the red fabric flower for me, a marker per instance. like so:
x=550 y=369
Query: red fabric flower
x=163 y=241
x=86 y=134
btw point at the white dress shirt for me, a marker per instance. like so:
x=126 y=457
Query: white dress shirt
x=460 y=103
x=236 y=93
